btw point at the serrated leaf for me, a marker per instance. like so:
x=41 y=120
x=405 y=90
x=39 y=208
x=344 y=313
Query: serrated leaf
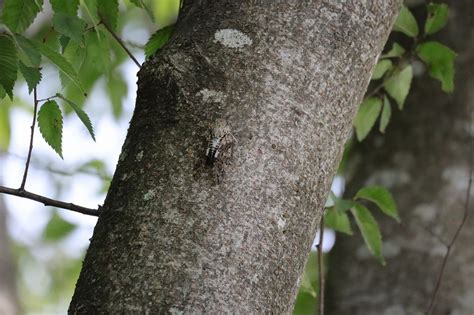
x=65 y=6
x=382 y=198
x=406 y=23
x=381 y=68
x=5 y=127
x=108 y=12
x=338 y=221
x=370 y=231
x=32 y=76
x=440 y=61
x=69 y=25
x=386 y=114
x=365 y=119
x=8 y=63
x=437 y=17
x=50 y=123
x=158 y=40
x=57 y=228
x=398 y=85
x=61 y=63
x=2 y=93
x=397 y=50
x=81 y=114
x=19 y=14
x=27 y=51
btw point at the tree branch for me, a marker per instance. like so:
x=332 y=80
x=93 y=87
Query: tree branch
x=27 y=164
x=458 y=230
x=119 y=41
x=48 y=201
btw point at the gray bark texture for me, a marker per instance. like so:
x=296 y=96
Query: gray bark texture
x=424 y=161
x=179 y=236
x=9 y=303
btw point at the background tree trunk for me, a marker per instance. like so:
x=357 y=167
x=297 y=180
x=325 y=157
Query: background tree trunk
x=177 y=235
x=8 y=292
x=424 y=161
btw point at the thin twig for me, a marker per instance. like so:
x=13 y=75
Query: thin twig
x=48 y=201
x=458 y=230
x=30 y=149
x=320 y=266
x=119 y=41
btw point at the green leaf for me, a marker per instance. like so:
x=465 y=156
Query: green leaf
x=437 y=17
x=8 y=63
x=5 y=127
x=81 y=114
x=57 y=228
x=70 y=26
x=398 y=85
x=386 y=114
x=50 y=123
x=117 y=90
x=75 y=56
x=65 y=6
x=305 y=301
x=370 y=231
x=440 y=61
x=158 y=40
x=61 y=63
x=2 y=93
x=32 y=76
x=406 y=23
x=396 y=51
x=27 y=51
x=381 y=68
x=108 y=12
x=382 y=198
x=338 y=221
x=19 y=14
x=365 y=119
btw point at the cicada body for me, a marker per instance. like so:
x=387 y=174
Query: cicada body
x=220 y=142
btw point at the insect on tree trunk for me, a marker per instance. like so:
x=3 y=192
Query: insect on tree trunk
x=286 y=78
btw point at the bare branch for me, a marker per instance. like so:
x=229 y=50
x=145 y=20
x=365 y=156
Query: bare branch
x=458 y=230
x=48 y=201
x=30 y=149
x=119 y=41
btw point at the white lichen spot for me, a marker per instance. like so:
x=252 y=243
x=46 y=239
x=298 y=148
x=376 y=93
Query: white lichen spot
x=122 y=156
x=124 y=177
x=209 y=96
x=281 y=223
x=232 y=38
x=149 y=195
x=139 y=156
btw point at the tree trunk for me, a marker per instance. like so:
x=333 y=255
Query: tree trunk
x=182 y=233
x=424 y=161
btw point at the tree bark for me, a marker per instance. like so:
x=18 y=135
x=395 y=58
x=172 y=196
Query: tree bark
x=177 y=235
x=424 y=161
